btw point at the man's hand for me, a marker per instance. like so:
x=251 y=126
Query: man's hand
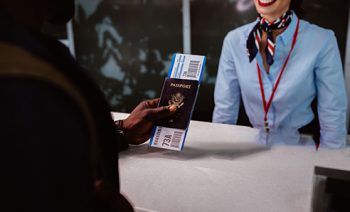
x=137 y=127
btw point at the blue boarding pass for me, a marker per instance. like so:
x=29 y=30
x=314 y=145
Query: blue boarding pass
x=180 y=89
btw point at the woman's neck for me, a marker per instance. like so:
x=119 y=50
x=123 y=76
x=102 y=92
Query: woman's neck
x=271 y=17
x=277 y=32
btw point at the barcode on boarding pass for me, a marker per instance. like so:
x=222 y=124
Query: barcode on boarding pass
x=168 y=138
x=176 y=141
x=193 y=68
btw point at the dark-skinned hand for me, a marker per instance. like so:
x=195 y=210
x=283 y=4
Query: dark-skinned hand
x=138 y=126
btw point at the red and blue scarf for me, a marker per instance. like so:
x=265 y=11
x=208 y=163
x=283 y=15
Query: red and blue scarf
x=254 y=38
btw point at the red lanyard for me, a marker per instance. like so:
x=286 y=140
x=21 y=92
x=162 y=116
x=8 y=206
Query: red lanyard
x=268 y=104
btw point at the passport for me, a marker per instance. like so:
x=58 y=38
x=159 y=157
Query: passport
x=180 y=88
x=181 y=93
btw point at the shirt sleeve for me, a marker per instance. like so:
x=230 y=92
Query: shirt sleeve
x=227 y=90
x=331 y=95
x=122 y=144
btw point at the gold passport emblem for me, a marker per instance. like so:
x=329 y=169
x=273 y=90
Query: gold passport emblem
x=177 y=99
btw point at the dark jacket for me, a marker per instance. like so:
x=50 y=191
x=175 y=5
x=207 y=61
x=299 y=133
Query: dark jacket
x=45 y=154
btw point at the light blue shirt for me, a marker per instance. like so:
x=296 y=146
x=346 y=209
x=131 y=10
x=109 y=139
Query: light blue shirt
x=314 y=69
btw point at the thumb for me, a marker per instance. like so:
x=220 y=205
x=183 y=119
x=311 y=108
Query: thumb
x=154 y=114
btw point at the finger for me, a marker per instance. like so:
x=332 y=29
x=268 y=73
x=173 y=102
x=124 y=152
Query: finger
x=152 y=103
x=154 y=114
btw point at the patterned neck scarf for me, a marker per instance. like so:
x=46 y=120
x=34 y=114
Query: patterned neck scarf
x=254 y=38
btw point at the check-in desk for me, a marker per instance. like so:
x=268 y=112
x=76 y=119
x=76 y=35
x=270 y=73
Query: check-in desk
x=221 y=168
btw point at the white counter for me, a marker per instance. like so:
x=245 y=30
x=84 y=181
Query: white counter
x=222 y=169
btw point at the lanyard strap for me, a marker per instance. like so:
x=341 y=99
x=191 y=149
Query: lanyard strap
x=268 y=104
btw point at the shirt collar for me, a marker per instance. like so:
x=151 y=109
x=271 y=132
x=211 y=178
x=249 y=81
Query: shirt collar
x=287 y=35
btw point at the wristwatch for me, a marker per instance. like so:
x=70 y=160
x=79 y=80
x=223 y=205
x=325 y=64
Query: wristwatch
x=119 y=127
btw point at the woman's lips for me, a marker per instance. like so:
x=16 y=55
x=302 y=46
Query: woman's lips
x=265 y=3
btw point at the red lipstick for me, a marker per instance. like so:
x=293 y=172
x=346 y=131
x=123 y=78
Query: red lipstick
x=262 y=4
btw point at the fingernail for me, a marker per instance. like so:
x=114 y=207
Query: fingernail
x=172 y=108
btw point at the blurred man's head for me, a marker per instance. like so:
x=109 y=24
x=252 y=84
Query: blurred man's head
x=61 y=11
x=35 y=12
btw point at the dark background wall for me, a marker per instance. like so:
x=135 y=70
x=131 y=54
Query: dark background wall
x=126 y=45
